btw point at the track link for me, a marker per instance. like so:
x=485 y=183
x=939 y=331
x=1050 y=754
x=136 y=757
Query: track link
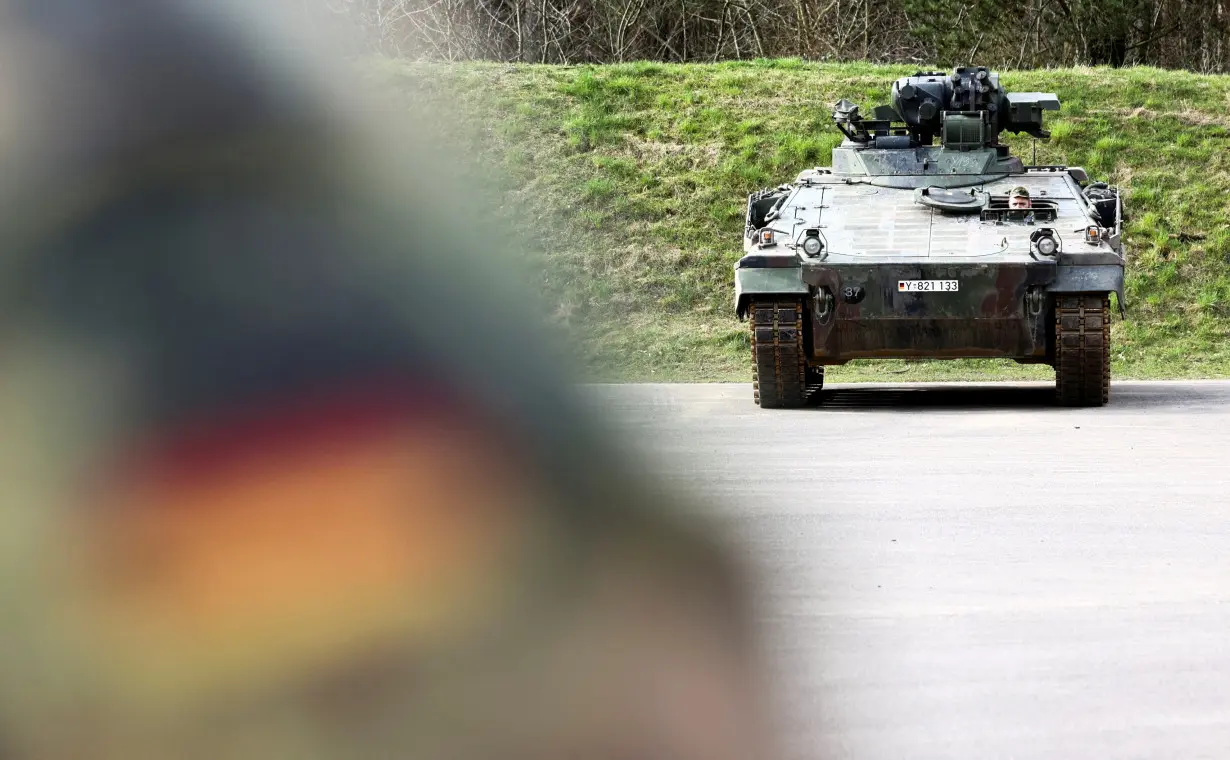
x=1082 y=349
x=780 y=374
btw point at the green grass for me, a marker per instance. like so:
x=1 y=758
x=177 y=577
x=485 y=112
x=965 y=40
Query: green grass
x=629 y=182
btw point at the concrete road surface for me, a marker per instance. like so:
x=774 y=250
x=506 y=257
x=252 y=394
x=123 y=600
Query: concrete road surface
x=969 y=572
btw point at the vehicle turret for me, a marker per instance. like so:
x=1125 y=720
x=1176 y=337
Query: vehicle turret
x=967 y=109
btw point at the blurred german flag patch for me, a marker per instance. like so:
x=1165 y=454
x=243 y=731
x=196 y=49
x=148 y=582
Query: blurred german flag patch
x=282 y=537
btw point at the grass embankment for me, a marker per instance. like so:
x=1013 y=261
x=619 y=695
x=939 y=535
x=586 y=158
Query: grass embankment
x=631 y=182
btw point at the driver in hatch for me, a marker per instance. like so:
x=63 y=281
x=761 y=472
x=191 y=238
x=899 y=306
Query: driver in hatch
x=1019 y=198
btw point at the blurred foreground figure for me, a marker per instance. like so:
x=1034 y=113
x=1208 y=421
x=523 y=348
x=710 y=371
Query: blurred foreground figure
x=288 y=470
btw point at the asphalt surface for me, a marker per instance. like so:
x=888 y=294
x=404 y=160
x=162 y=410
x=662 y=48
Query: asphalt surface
x=969 y=572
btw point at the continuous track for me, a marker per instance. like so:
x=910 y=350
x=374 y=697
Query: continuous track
x=1082 y=349
x=780 y=375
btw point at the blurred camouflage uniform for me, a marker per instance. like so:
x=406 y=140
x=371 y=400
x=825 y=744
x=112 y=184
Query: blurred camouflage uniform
x=204 y=244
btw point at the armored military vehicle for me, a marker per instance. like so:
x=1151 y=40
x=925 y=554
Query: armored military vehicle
x=926 y=238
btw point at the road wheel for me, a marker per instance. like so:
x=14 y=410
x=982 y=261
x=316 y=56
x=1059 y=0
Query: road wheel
x=1082 y=349
x=779 y=364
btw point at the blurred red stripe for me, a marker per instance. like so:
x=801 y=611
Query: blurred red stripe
x=274 y=432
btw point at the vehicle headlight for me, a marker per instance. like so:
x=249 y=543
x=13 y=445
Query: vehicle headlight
x=1045 y=242
x=812 y=246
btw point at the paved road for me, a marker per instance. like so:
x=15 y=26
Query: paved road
x=968 y=572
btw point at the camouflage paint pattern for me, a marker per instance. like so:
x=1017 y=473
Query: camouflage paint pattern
x=991 y=315
x=875 y=234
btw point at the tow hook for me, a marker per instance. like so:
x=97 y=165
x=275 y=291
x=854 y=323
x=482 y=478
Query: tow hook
x=1034 y=300
x=823 y=306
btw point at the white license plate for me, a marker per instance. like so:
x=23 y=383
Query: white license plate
x=927 y=286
